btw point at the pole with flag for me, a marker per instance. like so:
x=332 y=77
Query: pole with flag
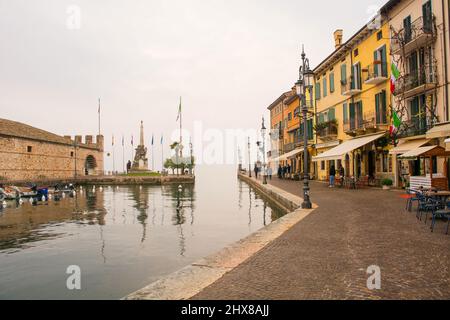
x=99 y=117
x=162 y=152
x=123 y=153
x=113 y=154
x=132 y=148
x=153 y=152
x=395 y=75
x=180 y=118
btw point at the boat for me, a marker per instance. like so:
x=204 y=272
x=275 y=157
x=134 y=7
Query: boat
x=15 y=193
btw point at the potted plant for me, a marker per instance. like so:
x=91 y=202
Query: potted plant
x=387 y=184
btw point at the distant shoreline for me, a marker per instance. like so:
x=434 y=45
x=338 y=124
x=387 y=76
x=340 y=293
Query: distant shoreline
x=109 y=180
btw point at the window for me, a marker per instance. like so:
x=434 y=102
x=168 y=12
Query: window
x=297 y=112
x=331 y=82
x=290 y=116
x=321 y=118
x=380 y=107
x=322 y=165
x=356 y=77
x=356 y=52
x=407 y=26
x=71 y=154
x=427 y=14
x=385 y=159
x=343 y=74
x=29 y=149
x=317 y=90
x=325 y=89
x=380 y=35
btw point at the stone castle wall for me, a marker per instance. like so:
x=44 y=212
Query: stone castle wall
x=26 y=159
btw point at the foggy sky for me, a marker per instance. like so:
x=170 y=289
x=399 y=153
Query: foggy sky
x=228 y=59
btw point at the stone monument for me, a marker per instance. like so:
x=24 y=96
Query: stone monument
x=140 y=163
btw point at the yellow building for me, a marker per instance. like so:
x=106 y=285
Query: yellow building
x=352 y=95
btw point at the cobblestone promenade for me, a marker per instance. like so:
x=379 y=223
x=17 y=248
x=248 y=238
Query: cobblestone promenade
x=326 y=256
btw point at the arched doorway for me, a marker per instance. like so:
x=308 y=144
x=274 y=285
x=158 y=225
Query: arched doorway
x=90 y=165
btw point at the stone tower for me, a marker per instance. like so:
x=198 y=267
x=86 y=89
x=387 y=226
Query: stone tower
x=140 y=163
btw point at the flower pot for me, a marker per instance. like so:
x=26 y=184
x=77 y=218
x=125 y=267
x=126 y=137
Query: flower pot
x=386 y=188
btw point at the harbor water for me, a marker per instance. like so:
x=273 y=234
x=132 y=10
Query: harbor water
x=123 y=238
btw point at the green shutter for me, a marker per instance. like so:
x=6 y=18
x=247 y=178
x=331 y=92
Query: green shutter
x=345 y=115
x=331 y=82
x=331 y=114
x=325 y=90
x=310 y=129
x=321 y=118
x=317 y=91
x=383 y=107
x=377 y=108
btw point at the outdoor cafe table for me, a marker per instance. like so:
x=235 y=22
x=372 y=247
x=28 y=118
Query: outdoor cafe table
x=442 y=195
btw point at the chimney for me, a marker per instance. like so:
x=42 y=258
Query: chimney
x=338 y=35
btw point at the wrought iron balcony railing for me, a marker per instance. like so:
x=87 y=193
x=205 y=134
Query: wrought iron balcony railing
x=418 y=34
x=376 y=73
x=351 y=86
x=421 y=80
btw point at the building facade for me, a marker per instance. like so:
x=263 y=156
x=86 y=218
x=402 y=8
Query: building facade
x=28 y=153
x=352 y=94
x=419 y=33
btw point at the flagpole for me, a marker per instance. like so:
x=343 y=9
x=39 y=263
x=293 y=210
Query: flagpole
x=181 y=134
x=162 y=154
x=123 y=153
x=99 y=117
x=114 y=159
x=153 y=153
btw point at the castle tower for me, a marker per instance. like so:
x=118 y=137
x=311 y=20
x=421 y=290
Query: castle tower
x=140 y=163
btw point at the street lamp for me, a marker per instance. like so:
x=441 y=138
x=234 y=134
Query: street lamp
x=305 y=82
x=249 y=160
x=263 y=133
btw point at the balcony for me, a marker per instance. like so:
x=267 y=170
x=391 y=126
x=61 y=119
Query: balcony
x=351 y=87
x=416 y=83
x=415 y=127
x=289 y=147
x=327 y=131
x=421 y=33
x=376 y=73
x=369 y=123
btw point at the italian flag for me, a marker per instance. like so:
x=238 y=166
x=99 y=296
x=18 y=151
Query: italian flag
x=396 y=122
x=395 y=74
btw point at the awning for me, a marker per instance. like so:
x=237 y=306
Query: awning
x=327 y=145
x=408 y=146
x=288 y=155
x=439 y=131
x=431 y=151
x=346 y=147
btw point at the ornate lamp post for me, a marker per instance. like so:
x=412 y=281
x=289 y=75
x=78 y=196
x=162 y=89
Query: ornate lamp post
x=305 y=82
x=263 y=133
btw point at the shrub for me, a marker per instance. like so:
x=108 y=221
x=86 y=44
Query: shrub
x=387 y=182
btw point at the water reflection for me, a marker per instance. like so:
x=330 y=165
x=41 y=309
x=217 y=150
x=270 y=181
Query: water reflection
x=123 y=238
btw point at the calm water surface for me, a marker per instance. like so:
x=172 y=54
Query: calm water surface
x=123 y=238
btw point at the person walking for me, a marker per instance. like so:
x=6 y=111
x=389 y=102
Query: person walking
x=128 y=166
x=280 y=172
x=269 y=173
x=256 y=171
x=332 y=176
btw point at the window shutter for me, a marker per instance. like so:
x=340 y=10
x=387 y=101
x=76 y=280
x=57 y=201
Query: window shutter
x=331 y=82
x=325 y=89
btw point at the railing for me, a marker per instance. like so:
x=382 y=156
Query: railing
x=376 y=70
x=419 y=28
x=424 y=76
x=329 y=131
x=350 y=85
x=289 y=147
x=366 y=122
x=414 y=127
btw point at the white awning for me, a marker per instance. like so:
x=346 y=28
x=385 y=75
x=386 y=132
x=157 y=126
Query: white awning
x=288 y=155
x=346 y=147
x=408 y=146
x=439 y=131
x=413 y=154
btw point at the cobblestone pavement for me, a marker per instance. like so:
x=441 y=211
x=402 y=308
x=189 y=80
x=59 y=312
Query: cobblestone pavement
x=326 y=256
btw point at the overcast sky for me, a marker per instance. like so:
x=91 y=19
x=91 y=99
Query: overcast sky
x=228 y=59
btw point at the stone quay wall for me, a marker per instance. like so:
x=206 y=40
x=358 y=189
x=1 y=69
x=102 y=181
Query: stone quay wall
x=29 y=159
